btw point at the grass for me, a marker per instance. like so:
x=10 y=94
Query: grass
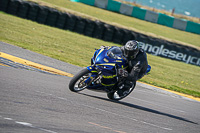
x=78 y=49
x=149 y=28
x=190 y=18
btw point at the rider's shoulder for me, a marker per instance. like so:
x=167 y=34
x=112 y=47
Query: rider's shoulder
x=122 y=47
x=142 y=50
x=142 y=53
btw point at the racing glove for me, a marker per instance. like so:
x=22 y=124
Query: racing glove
x=122 y=72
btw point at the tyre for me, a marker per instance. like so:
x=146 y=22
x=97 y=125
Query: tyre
x=23 y=9
x=71 y=22
x=89 y=28
x=118 y=36
x=13 y=7
x=80 y=25
x=33 y=11
x=52 y=17
x=120 y=93
x=4 y=5
x=42 y=14
x=108 y=33
x=98 y=30
x=128 y=35
x=77 y=82
x=62 y=18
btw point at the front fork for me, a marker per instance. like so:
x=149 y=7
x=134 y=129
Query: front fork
x=94 y=72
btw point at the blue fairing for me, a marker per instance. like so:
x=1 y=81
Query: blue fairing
x=148 y=69
x=106 y=60
x=109 y=57
x=90 y=68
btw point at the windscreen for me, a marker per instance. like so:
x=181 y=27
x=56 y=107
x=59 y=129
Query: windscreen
x=115 y=53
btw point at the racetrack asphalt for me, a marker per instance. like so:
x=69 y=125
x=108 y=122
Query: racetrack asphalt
x=32 y=101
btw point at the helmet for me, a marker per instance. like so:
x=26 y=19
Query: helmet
x=131 y=49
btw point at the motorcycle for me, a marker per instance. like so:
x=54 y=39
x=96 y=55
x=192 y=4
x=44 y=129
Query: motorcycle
x=103 y=75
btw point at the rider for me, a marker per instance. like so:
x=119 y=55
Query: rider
x=137 y=63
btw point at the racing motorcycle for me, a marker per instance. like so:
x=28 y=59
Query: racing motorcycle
x=103 y=74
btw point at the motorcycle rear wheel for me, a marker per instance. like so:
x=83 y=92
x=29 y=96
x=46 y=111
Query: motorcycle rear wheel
x=77 y=82
x=120 y=93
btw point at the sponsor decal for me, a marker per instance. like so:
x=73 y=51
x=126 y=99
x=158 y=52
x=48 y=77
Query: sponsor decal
x=167 y=53
x=108 y=77
x=118 y=61
x=105 y=60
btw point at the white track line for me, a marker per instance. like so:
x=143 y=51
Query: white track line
x=27 y=124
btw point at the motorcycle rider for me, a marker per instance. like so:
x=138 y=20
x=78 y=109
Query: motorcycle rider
x=137 y=63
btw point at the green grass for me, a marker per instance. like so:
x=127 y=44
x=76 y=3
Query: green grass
x=169 y=13
x=126 y=21
x=78 y=49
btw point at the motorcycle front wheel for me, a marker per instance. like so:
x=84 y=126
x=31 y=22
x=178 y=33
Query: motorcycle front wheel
x=77 y=82
x=120 y=93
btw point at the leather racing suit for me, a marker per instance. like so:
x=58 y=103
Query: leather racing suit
x=136 y=67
